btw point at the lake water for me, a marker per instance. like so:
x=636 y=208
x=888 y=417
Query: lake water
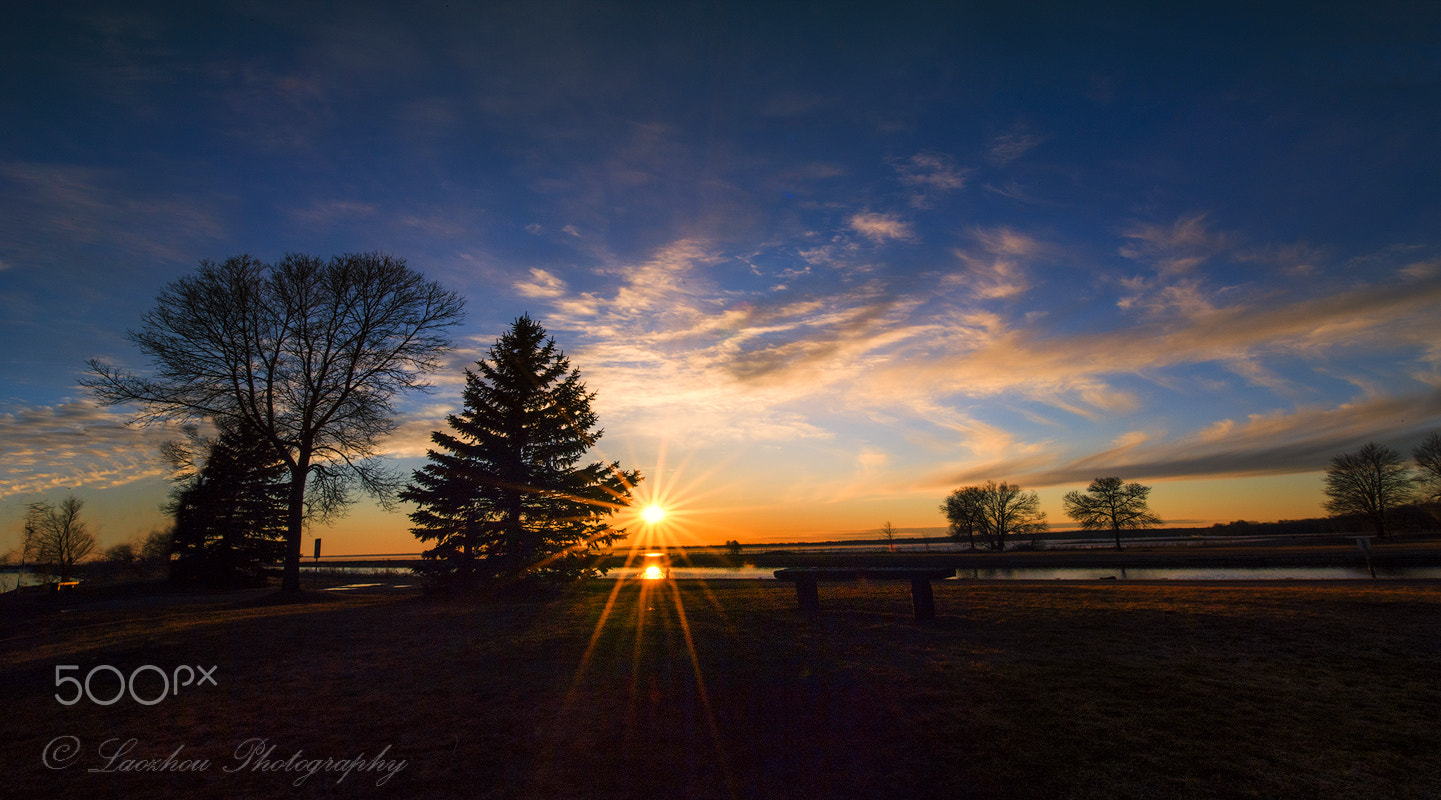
x=1068 y=574
x=1161 y=573
x=8 y=578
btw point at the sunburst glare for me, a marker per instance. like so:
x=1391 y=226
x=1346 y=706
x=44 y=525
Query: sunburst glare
x=665 y=515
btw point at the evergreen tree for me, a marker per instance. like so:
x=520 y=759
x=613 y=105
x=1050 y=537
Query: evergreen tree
x=502 y=498
x=230 y=515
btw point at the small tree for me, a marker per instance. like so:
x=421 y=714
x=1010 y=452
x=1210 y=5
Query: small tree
x=503 y=498
x=308 y=354
x=55 y=538
x=1111 y=505
x=1369 y=483
x=888 y=533
x=994 y=511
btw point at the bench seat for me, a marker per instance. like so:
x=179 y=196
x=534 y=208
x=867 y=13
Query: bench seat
x=807 y=580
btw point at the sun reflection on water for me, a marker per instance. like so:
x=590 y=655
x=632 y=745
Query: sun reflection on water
x=656 y=567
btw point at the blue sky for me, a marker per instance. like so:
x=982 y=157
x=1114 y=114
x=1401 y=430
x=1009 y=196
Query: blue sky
x=821 y=264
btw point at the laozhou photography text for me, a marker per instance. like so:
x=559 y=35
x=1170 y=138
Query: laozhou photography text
x=254 y=755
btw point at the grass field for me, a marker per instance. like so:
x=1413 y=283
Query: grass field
x=722 y=689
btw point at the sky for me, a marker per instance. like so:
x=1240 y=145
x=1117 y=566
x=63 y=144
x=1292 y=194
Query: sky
x=822 y=263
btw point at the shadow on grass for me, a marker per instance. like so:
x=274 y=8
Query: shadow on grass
x=699 y=690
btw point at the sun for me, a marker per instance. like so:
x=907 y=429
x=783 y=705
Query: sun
x=652 y=514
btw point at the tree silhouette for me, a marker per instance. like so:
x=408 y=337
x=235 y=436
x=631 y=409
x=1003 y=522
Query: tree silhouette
x=888 y=533
x=963 y=510
x=502 y=497
x=1428 y=462
x=306 y=353
x=994 y=511
x=56 y=538
x=1111 y=505
x=230 y=513
x=1368 y=483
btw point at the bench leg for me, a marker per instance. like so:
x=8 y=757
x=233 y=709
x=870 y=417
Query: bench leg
x=808 y=596
x=923 y=598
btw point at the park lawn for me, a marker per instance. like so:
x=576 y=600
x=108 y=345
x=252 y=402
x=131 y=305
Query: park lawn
x=721 y=688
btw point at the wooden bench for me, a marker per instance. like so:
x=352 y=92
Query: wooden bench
x=64 y=586
x=806 y=580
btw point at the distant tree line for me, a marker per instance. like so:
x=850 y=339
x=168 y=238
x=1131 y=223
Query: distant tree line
x=1372 y=486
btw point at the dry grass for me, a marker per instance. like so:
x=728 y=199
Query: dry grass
x=721 y=689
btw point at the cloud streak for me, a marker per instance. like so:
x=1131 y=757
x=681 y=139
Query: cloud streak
x=74 y=444
x=1279 y=443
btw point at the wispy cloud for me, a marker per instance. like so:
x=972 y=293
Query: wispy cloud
x=332 y=212
x=999 y=356
x=74 y=444
x=880 y=227
x=1176 y=247
x=1010 y=146
x=930 y=173
x=995 y=267
x=541 y=284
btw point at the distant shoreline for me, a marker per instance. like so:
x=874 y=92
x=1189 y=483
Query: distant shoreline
x=1412 y=551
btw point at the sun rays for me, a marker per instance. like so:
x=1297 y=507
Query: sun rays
x=643 y=626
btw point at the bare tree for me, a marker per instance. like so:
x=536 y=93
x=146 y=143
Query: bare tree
x=1428 y=461
x=963 y=510
x=1369 y=483
x=56 y=538
x=308 y=354
x=888 y=533
x=1109 y=504
x=994 y=511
